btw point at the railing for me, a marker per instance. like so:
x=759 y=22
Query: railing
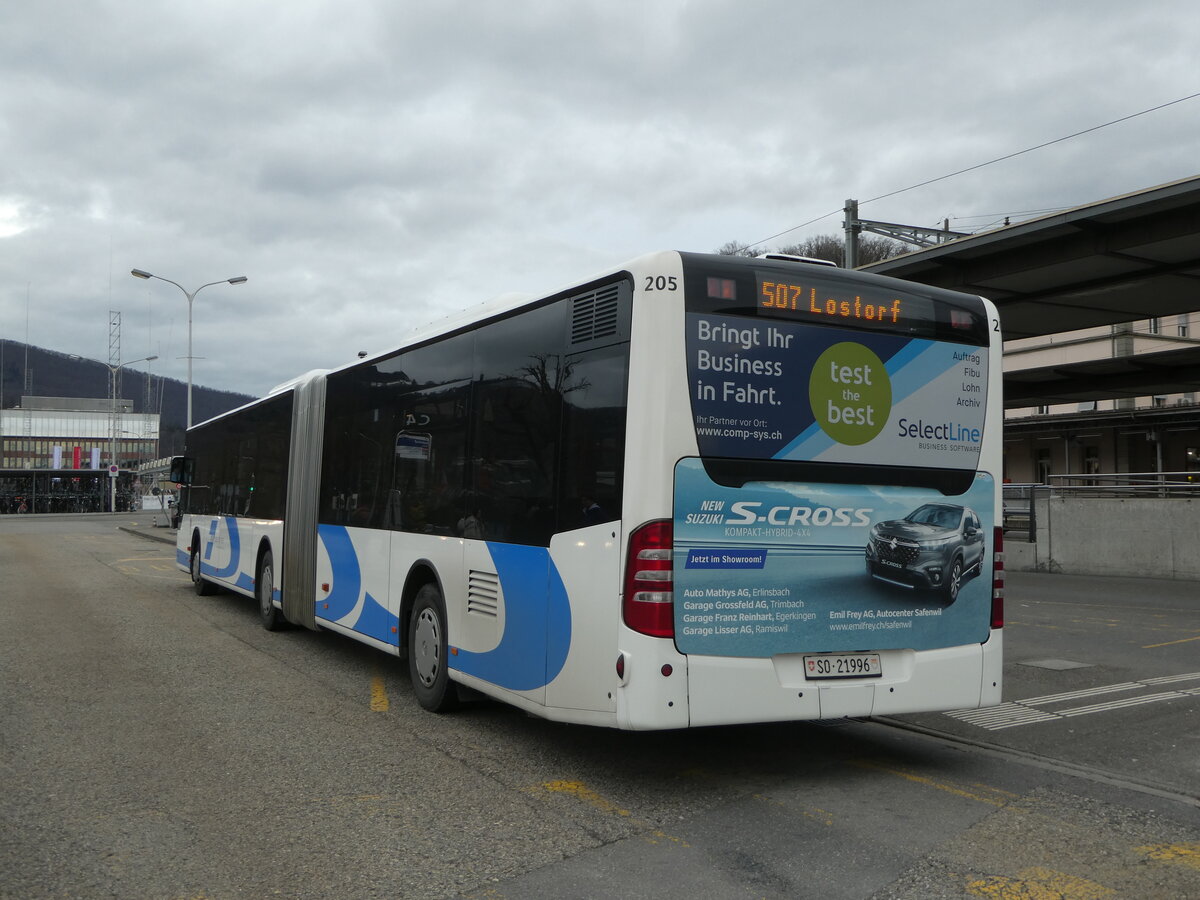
x=1019 y=511
x=1126 y=484
x=1021 y=500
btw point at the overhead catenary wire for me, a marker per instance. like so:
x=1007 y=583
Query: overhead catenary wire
x=1007 y=156
x=1014 y=212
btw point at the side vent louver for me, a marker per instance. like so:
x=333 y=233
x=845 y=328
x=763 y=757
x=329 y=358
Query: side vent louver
x=594 y=316
x=483 y=593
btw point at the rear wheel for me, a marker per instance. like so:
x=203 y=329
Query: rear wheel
x=199 y=585
x=427 y=652
x=264 y=589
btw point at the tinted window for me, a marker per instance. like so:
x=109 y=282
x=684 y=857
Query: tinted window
x=520 y=376
x=375 y=416
x=493 y=434
x=241 y=462
x=593 y=441
x=428 y=440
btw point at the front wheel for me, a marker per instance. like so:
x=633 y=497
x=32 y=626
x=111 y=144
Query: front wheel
x=264 y=589
x=199 y=585
x=427 y=652
x=953 y=580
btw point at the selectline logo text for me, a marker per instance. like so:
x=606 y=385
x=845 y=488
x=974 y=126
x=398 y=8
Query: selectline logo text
x=942 y=431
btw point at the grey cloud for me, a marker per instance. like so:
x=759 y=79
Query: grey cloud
x=373 y=166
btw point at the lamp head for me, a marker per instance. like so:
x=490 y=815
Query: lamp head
x=138 y=273
x=240 y=279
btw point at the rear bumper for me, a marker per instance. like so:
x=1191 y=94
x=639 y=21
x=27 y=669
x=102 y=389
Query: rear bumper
x=726 y=690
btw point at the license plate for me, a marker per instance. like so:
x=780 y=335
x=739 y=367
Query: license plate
x=843 y=665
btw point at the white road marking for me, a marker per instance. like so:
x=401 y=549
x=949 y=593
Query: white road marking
x=1031 y=711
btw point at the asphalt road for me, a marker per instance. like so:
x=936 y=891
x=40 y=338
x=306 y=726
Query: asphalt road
x=158 y=744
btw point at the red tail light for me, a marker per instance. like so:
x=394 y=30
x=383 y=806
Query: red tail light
x=997 y=577
x=649 y=599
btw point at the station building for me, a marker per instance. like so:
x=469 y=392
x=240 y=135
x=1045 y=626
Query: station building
x=1100 y=310
x=56 y=454
x=1156 y=432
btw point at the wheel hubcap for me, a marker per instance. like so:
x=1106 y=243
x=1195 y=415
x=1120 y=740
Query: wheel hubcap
x=426 y=647
x=266 y=590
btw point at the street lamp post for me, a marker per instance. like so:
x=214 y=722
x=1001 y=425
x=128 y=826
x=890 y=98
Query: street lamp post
x=113 y=428
x=191 y=295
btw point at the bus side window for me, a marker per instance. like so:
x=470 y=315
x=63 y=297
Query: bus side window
x=428 y=414
x=521 y=376
x=593 y=450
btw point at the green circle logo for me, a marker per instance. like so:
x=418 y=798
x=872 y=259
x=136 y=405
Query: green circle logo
x=850 y=393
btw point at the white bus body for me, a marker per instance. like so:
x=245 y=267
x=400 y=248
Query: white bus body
x=768 y=436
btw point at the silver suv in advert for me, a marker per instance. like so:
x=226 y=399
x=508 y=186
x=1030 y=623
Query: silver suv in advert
x=937 y=546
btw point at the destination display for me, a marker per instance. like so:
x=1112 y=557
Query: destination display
x=822 y=295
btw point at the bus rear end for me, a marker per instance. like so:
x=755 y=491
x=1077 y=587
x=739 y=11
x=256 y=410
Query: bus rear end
x=812 y=496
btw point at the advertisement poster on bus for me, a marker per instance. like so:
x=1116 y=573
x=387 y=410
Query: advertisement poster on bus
x=771 y=568
x=775 y=567
x=773 y=389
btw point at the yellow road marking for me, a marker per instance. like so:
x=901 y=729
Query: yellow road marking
x=379 y=697
x=658 y=835
x=1039 y=884
x=1184 y=854
x=580 y=791
x=1002 y=798
x=1169 y=643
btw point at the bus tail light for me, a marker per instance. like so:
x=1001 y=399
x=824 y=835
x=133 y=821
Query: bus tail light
x=649 y=599
x=998 y=577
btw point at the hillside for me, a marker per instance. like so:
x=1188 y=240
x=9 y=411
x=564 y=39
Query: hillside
x=62 y=375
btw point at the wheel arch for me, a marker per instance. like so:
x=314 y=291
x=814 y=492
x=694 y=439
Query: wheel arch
x=420 y=573
x=264 y=547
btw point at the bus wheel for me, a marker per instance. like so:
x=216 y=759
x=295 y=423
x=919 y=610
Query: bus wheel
x=264 y=589
x=427 y=652
x=953 y=581
x=199 y=585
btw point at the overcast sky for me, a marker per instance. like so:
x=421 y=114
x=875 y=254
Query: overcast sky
x=371 y=166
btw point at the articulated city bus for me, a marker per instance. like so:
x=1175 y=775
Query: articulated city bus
x=691 y=490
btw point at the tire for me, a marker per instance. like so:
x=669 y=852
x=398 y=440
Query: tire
x=199 y=585
x=427 y=652
x=264 y=591
x=953 y=581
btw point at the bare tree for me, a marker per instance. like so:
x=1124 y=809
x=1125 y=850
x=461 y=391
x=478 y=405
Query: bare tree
x=735 y=248
x=829 y=246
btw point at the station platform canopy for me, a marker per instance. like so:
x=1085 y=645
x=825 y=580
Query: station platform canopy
x=1131 y=257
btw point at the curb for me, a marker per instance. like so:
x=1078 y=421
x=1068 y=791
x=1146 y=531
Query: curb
x=150 y=536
